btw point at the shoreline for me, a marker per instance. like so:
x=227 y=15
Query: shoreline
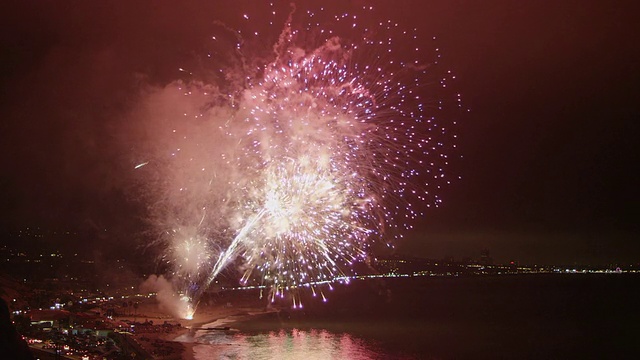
x=179 y=342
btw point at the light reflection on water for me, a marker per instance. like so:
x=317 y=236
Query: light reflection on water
x=292 y=344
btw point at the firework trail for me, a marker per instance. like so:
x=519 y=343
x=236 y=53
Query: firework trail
x=298 y=158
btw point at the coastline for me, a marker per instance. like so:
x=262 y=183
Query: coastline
x=188 y=353
x=179 y=340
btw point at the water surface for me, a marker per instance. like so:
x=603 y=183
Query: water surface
x=521 y=316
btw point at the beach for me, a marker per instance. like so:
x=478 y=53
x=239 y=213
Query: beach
x=166 y=337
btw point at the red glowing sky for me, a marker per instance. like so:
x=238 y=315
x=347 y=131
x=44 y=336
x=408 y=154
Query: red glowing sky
x=549 y=146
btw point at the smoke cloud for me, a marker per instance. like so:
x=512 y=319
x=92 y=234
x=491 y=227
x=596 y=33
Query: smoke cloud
x=167 y=296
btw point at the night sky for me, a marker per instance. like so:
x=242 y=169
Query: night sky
x=550 y=144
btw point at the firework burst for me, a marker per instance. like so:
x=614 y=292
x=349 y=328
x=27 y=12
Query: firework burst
x=300 y=157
